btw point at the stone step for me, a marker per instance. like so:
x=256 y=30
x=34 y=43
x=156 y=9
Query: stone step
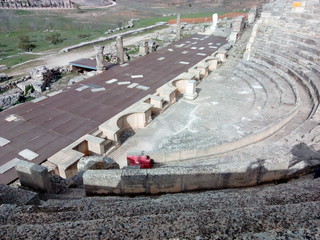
x=224 y=223
x=289 y=93
x=286 y=90
x=259 y=92
x=292 y=69
x=271 y=99
x=108 y=207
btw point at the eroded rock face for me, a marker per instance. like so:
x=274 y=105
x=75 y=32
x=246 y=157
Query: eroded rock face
x=41 y=76
x=97 y=162
x=10 y=97
x=3 y=77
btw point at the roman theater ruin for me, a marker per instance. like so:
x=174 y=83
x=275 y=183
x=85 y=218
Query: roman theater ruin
x=225 y=118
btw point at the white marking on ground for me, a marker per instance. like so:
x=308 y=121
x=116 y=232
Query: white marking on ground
x=201 y=48
x=194 y=48
x=161 y=58
x=7 y=166
x=210 y=43
x=124 y=83
x=133 y=85
x=39 y=99
x=184 y=52
x=82 y=88
x=111 y=81
x=54 y=93
x=170 y=49
x=186 y=63
x=194 y=43
x=180 y=45
x=28 y=154
x=124 y=65
x=136 y=76
x=98 y=89
x=201 y=54
x=11 y=118
x=212 y=47
x=195 y=38
x=4 y=141
x=142 y=87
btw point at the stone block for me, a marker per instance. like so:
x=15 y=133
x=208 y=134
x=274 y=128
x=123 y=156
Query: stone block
x=200 y=178
x=102 y=182
x=33 y=176
x=134 y=181
x=190 y=92
x=165 y=180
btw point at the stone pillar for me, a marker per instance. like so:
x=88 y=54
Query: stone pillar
x=190 y=92
x=214 y=22
x=33 y=176
x=144 y=48
x=178 y=37
x=99 y=58
x=252 y=15
x=120 y=52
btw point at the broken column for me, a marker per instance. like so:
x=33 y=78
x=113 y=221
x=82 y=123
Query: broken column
x=33 y=176
x=178 y=37
x=214 y=22
x=190 y=92
x=237 y=28
x=99 y=58
x=120 y=52
x=144 y=48
x=252 y=15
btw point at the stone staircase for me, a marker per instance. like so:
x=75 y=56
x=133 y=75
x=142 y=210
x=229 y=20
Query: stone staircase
x=290 y=210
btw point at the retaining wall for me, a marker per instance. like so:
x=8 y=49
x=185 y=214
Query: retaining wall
x=183 y=179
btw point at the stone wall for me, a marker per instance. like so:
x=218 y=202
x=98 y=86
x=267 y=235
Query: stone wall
x=184 y=179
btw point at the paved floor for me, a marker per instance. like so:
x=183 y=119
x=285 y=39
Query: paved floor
x=36 y=130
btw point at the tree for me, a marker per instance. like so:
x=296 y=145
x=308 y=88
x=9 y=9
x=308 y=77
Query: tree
x=25 y=44
x=55 y=38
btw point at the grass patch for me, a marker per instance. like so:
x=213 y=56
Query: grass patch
x=9 y=62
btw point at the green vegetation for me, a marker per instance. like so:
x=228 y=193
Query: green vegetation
x=54 y=38
x=25 y=44
x=30 y=89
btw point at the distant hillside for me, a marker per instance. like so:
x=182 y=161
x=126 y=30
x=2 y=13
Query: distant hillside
x=52 y=3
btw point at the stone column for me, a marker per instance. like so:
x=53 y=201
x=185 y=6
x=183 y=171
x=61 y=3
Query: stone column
x=120 y=52
x=252 y=15
x=190 y=92
x=214 y=22
x=178 y=37
x=99 y=58
x=144 y=48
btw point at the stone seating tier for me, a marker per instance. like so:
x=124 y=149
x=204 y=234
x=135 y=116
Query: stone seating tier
x=287 y=92
x=288 y=89
x=290 y=208
x=283 y=64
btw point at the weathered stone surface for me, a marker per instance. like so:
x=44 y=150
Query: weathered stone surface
x=10 y=97
x=41 y=77
x=33 y=176
x=11 y=195
x=3 y=77
x=97 y=162
x=75 y=80
x=99 y=57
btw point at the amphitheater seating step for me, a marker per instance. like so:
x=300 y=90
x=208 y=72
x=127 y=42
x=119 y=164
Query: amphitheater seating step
x=225 y=213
